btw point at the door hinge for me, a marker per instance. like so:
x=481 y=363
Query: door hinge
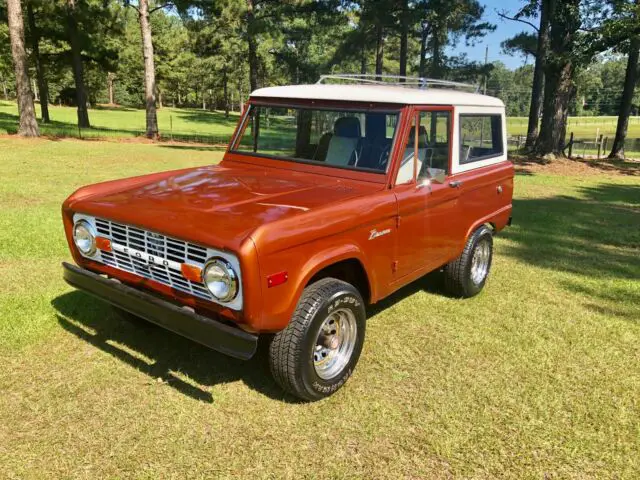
x=394 y=266
x=398 y=221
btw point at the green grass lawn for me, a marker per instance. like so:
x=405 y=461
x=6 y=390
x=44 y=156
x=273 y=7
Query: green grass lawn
x=192 y=124
x=537 y=377
x=582 y=127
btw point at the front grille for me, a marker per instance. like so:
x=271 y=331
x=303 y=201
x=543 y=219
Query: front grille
x=161 y=247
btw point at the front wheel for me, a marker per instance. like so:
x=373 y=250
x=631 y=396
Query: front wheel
x=467 y=274
x=317 y=352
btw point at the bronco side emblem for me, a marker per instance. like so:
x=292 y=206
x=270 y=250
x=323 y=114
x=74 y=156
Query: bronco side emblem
x=375 y=233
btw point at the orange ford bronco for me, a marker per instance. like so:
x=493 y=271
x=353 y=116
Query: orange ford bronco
x=329 y=198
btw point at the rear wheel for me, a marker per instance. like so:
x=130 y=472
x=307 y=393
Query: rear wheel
x=317 y=352
x=467 y=274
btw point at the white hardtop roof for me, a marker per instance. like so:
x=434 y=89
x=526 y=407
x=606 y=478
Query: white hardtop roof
x=379 y=94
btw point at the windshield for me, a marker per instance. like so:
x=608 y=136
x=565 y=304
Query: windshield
x=358 y=140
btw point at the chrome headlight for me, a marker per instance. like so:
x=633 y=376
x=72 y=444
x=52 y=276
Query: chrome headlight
x=221 y=280
x=84 y=236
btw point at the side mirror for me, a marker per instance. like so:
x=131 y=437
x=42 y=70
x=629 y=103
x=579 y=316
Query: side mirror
x=439 y=177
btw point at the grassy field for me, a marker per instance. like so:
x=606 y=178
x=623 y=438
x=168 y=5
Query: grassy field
x=582 y=127
x=212 y=126
x=537 y=377
x=193 y=124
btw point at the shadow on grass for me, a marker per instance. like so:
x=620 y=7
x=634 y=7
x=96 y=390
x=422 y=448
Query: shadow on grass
x=182 y=364
x=432 y=282
x=114 y=108
x=197 y=148
x=523 y=161
x=208 y=117
x=595 y=235
x=57 y=129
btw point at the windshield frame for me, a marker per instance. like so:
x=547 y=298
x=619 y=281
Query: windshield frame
x=328 y=105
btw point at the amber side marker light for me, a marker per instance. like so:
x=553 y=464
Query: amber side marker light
x=103 y=244
x=277 y=279
x=191 y=273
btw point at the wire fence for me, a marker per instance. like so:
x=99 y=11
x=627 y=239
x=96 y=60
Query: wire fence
x=598 y=147
x=105 y=133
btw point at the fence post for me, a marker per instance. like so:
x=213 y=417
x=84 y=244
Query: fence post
x=599 y=145
x=171 y=127
x=571 y=145
x=604 y=146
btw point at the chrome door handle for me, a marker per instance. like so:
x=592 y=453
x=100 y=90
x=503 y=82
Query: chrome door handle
x=455 y=184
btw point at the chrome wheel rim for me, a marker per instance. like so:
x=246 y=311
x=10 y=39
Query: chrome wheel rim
x=335 y=343
x=480 y=262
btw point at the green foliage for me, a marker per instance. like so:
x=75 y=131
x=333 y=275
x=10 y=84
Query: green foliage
x=523 y=43
x=513 y=87
x=599 y=88
x=201 y=48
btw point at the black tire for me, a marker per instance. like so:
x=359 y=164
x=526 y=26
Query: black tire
x=458 y=278
x=291 y=353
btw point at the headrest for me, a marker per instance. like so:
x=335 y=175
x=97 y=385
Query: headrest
x=347 y=127
x=422 y=137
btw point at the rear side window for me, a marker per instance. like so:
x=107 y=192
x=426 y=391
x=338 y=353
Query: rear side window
x=480 y=137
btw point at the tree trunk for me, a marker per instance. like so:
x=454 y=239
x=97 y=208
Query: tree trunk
x=43 y=87
x=379 y=50
x=225 y=88
x=363 y=59
x=559 y=89
x=160 y=104
x=253 y=50
x=28 y=124
x=4 y=89
x=559 y=77
x=404 y=37
x=423 y=51
x=149 y=69
x=363 y=45
x=110 y=79
x=537 y=88
x=630 y=80
x=78 y=68
x=436 y=55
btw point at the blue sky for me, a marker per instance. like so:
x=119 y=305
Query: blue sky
x=504 y=30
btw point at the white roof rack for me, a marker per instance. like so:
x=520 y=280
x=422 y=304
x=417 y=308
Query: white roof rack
x=396 y=80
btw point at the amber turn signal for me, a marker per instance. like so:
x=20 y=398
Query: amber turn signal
x=103 y=244
x=191 y=273
x=277 y=279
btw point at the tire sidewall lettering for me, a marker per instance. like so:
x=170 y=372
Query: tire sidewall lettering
x=310 y=377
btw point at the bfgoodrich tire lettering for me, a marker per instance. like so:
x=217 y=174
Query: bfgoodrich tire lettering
x=467 y=274
x=291 y=354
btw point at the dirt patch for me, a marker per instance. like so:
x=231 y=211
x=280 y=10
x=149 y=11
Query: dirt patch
x=575 y=167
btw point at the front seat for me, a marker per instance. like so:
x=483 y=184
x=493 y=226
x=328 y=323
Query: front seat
x=345 y=145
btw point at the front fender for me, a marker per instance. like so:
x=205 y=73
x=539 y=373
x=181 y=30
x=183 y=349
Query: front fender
x=280 y=302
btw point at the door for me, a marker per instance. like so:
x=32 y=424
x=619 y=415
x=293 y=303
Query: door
x=427 y=199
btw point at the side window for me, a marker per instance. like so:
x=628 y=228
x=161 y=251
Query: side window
x=480 y=137
x=405 y=173
x=433 y=144
x=427 y=147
